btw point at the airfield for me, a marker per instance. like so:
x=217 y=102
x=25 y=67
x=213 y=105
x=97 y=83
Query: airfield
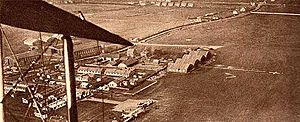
x=261 y=51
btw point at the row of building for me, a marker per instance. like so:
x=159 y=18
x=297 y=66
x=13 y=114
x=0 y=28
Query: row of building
x=55 y=51
x=189 y=61
x=176 y=4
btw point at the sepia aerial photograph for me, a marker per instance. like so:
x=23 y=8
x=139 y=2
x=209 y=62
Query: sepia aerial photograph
x=150 y=61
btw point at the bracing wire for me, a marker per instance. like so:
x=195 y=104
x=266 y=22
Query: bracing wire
x=21 y=78
x=23 y=74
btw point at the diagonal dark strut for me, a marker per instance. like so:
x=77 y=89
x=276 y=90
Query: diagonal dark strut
x=38 y=15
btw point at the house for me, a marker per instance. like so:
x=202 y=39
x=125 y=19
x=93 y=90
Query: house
x=128 y=63
x=89 y=70
x=118 y=72
x=133 y=82
x=114 y=84
x=190 y=5
x=82 y=78
x=183 y=4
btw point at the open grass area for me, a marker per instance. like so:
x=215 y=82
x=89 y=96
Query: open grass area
x=262 y=42
x=126 y=21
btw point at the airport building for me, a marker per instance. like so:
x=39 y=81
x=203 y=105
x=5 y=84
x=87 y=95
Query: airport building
x=188 y=61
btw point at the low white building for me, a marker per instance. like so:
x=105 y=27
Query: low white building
x=114 y=84
x=84 y=85
x=190 y=5
x=104 y=88
x=89 y=70
x=82 y=78
x=118 y=72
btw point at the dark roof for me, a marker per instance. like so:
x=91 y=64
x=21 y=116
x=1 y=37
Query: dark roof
x=130 y=61
x=26 y=54
x=110 y=55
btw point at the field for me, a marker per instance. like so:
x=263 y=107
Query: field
x=266 y=43
x=126 y=21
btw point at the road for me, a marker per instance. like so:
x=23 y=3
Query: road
x=276 y=13
x=178 y=45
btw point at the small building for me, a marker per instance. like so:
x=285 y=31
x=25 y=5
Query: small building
x=183 y=4
x=114 y=84
x=89 y=70
x=190 y=5
x=177 y=4
x=243 y=9
x=104 y=88
x=156 y=61
x=84 y=85
x=158 y=3
x=170 y=4
x=164 y=4
x=133 y=82
x=128 y=63
x=82 y=78
x=125 y=83
x=235 y=12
